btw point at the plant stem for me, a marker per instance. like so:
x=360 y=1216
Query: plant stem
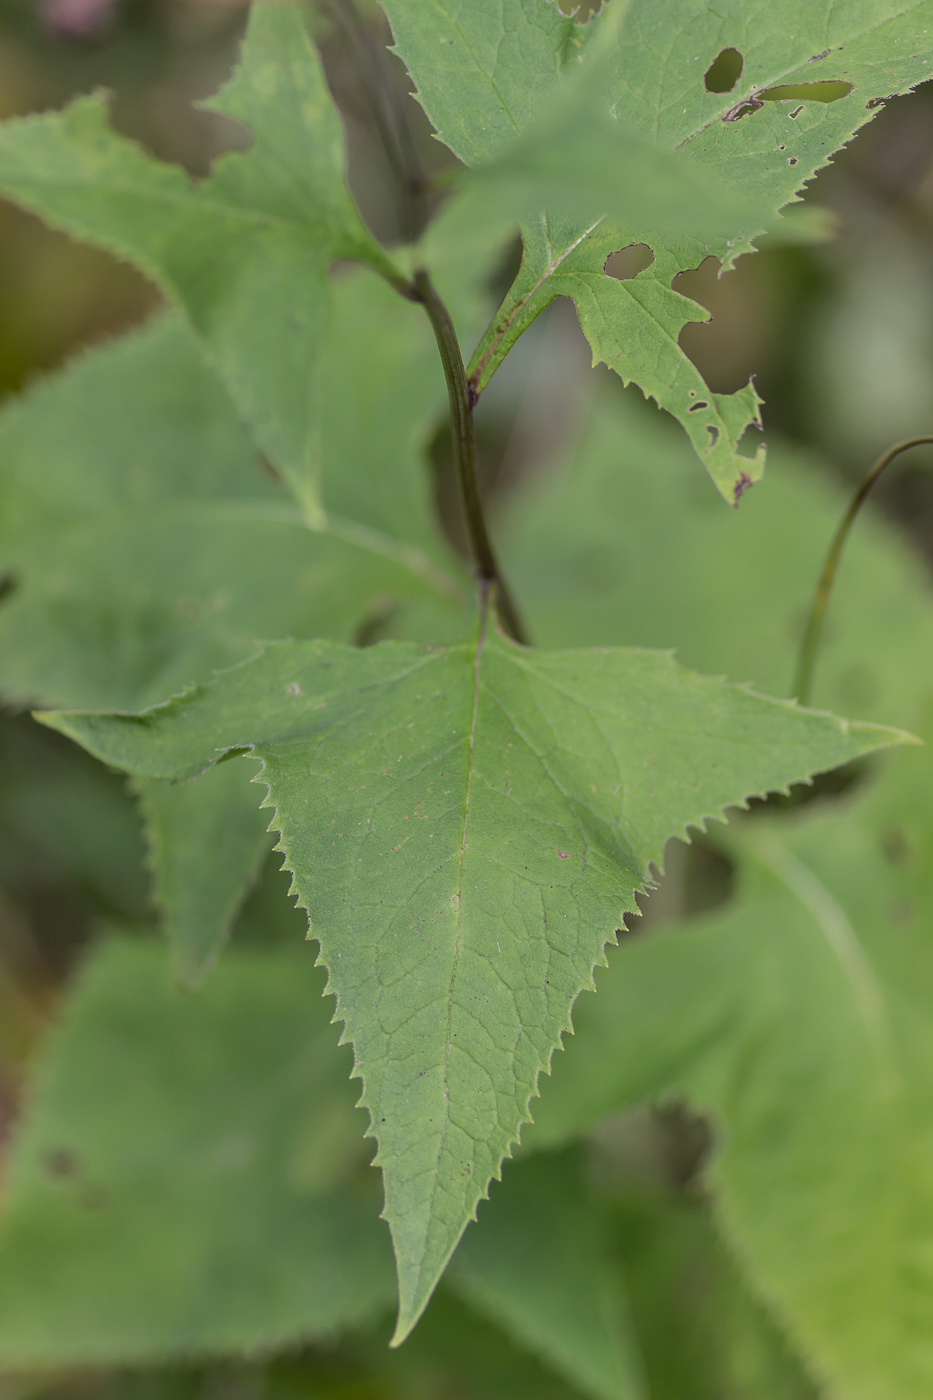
x=461 y=422
x=803 y=680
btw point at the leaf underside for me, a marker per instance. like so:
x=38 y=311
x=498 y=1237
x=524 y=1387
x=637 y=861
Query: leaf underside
x=247 y=1091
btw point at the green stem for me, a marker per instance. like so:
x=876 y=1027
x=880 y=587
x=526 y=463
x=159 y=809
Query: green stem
x=803 y=680
x=461 y=422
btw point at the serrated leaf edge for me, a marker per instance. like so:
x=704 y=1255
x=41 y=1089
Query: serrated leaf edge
x=699 y=823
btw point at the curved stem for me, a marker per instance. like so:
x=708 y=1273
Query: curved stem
x=803 y=680
x=461 y=422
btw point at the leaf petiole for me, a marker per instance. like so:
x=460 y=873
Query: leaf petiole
x=461 y=422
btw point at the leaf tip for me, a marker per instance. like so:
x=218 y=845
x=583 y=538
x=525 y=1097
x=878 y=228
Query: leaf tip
x=404 y=1327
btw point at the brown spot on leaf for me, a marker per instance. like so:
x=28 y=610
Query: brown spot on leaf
x=741 y=486
x=895 y=846
x=741 y=109
x=61 y=1161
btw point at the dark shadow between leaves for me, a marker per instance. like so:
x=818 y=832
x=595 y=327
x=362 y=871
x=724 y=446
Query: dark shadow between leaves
x=8 y=585
x=825 y=787
x=698 y=878
x=664 y=1146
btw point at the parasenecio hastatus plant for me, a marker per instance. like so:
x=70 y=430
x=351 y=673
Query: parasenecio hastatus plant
x=208 y=518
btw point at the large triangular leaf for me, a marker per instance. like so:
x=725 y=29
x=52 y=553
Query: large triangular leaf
x=502 y=64
x=467 y=826
x=246 y=252
x=174 y=1186
x=800 y=1018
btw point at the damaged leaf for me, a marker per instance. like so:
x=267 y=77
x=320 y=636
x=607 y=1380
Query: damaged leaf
x=502 y=66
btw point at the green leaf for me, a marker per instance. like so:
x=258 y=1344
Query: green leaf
x=800 y=1018
x=537 y=1263
x=64 y=816
x=207 y=840
x=245 y=252
x=150 y=547
x=382 y=368
x=172 y=1188
x=729 y=590
x=703 y=1332
x=502 y=65
x=457 y=1351
x=582 y=165
x=466 y=826
x=632 y=326
x=483 y=72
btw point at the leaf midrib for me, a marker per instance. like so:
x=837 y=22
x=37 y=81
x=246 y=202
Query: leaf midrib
x=182 y=199
x=553 y=265
x=448 y=1025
